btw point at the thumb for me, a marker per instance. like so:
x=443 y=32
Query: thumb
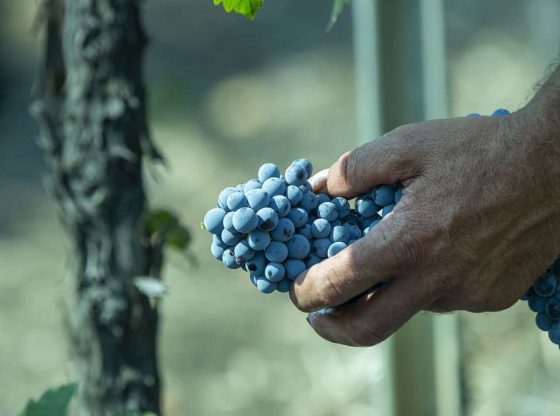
x=393 y=157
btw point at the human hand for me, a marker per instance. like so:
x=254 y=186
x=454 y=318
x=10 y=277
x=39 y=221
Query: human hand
x=476 y=225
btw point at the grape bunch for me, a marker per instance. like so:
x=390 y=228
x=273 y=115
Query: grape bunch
x=275 y=227
x=544 y=299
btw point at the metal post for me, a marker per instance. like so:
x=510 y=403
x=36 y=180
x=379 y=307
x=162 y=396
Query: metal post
x=400 y=78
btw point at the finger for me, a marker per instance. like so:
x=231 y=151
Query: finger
x=319 y=181
x=383 y=253
x=374 y=316
x=393 y=157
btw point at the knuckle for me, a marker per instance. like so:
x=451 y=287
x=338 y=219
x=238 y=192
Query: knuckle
x=328 y=288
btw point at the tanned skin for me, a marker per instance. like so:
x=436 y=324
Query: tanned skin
x=478 y=222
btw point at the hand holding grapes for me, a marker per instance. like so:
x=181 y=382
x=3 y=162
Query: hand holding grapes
x=476 y=225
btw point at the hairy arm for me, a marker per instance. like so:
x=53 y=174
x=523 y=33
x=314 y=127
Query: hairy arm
x=478 y=222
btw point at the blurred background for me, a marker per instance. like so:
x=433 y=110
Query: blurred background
x=226 y=95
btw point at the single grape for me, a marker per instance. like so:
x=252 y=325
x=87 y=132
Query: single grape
x=257 y=264
x=294 y=195
x=245 y=220
x=471 y=115
x=383 y=195
x=387 y=210
x=312 y=260
x=298 y=216
x=281 y=205
x=320 y=228
x=274 y=186
x=283 y=231
x=264 y=285
x=398 y=195
x=296 y=175
x=305 y=231
x=321 y=247
x=274 y=272
x=258 y=240
x=306 y=187
x=283 y=286
x=217 y=251
x=339 y=234
x=366 y=207
x=222 y=198
x=342 y=206
x=554 y=333
x=537 y=304
x=267 y=171
x=354 y=231
x=236 y=200
x=306 y=165
x=230 y=238
x=257 y=199
x=268 y=219
x=218 y=241
x=308 y=201
x=230 y=260
x=243 y=250
x=336 y=248
x=228 y=222
x=252 y=185
x=543 y=321
x=500 y=112
x=213 y=220
x=552 y=307
x=328 y=211
x=545 y=286
x=322 y=198
x=298 y=247
x=294 y=268
x=276 y=252
x=253 y=278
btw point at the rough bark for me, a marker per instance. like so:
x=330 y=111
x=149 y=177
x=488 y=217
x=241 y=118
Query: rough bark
x=91 y=114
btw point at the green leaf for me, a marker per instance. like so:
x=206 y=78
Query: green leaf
x=248 y=8
x=54 y=402
x=160 y=221
x=338 y=7
x=178 y=237
x=166 y=227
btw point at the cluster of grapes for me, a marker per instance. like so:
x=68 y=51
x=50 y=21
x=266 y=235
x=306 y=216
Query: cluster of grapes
x=275 y=226
x=544 y=299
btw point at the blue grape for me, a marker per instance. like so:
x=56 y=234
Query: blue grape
x=387 y=210
x=228 y=222
x=473 y=115
x=327 y=211
x=552 y=307
x=322 y=198
x=213 y=220
x=336 y=248
x=545 y=286
x=321 y=247
x=257 y=199
x=252 y=185
x=555 y=268
x=544 y=323
x=383 y=195
x=230 y=238
x=283 y=286
x=217 y=251
x=554 y=333
x=298 y=247
x=500 y=112
x=352 y=241
x=354 y=231
x=308 y=201
x=274 y=186
x=264 y=285
x=307 y=165
x=312 y=260
x=283 y=231
x=257 y=264
x=229 y=259
x=537 y=304
x=243 y=250
x=267 y=171
x=245 y=220
x=339 y=234
x=276 y=252
x=236 y=200
x=253 y=278
x=274 y=272
x=296 y=175
x=294 y=268
x=281 y=205
x=306 y=231
x=320 y=228
x=222 y=198
x=342 y=206
x=398 y=195
x=218 y=241
x=294 y=195
x=306 y=187
x=366 y=207
x=258 y=240
x=298 y=216
x=268 y=219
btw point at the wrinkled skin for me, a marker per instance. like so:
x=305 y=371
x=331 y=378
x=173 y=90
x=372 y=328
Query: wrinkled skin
x=478 y=222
